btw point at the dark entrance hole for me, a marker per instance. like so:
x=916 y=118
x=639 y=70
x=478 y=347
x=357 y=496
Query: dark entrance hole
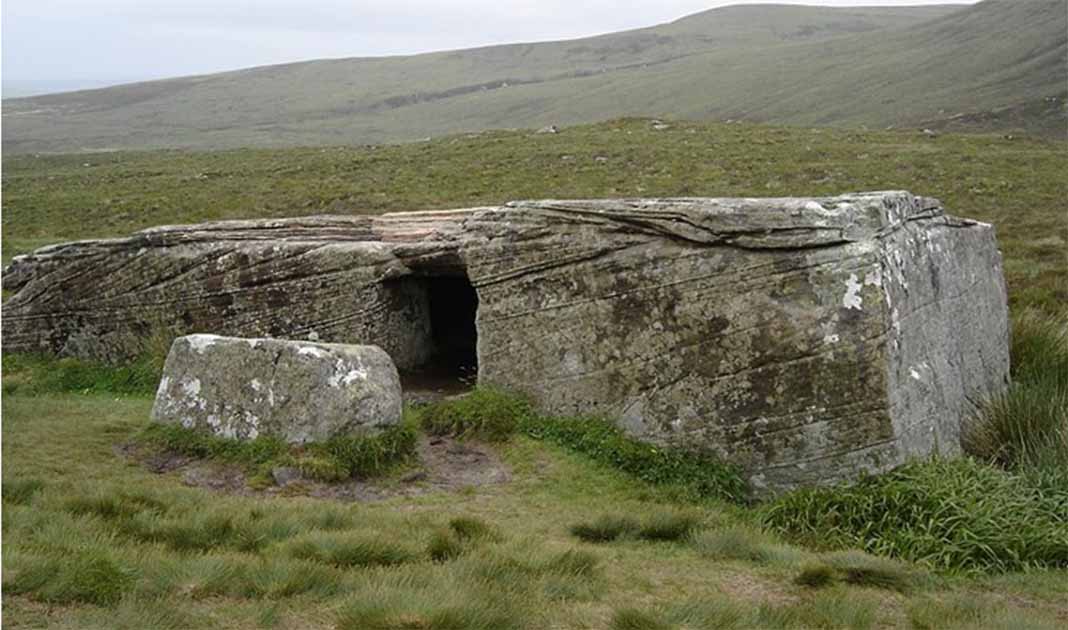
x=451 y=309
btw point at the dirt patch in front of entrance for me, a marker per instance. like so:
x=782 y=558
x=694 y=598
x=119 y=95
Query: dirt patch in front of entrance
x=443 y=464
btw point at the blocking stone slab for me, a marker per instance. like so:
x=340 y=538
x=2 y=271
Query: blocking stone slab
x=295 y=390
x=805 y=339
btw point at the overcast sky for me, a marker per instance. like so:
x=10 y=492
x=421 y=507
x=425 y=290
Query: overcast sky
x=114 y=40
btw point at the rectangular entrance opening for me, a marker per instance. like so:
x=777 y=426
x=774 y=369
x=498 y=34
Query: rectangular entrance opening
x=447 y=308
x=453 y=308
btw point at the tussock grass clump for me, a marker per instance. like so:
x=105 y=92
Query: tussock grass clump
x=711 y=613
x=472 y=528
x=347 y=551
x=816 y=576
x=178 y=439
x=967 y=612
x=444 y=545
x=833 y=608
x=334 y=460
x=114 y=506
x=495 y=588
x=736 y=543
x=1026 y=428
x=857 y=569
x=861 y=569
x=572 y=562
x=605 y=528
x=952 y=515
x=462 y=533
x=371 y=455
x=212 y=531
x=664 y=526
x=39 y=375
x=636 y=619
x=87 y=578
x=473 y=615
x=698 y=475
x=669 y=526
x=21 y=491
x=279 y=580
x=234 y=575
x=485 y=413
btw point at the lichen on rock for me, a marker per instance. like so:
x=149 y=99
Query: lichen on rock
x=782 y=334
x=293 y=390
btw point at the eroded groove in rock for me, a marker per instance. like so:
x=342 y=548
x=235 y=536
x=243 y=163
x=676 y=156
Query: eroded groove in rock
x=805 y=339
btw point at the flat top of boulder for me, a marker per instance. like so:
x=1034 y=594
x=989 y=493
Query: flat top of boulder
x=749 y=222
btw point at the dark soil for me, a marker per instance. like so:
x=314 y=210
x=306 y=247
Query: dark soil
x=444 y=465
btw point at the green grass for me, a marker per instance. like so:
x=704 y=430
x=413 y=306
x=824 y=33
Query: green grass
x=825 y=609
x=472 y=528
x=347 y=552
x=858 y=569
x=336 y=459
x=1026 y=428
x=605 y=528
x=485 y=413
x=692 y=474
x=90 y=578
x=32 y=375
x=951 y=515
x=495 y=415
x=93 y=541
x=661 y=526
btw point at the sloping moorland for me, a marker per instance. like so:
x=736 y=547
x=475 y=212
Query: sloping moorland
x=995 y=65
x=575 y=539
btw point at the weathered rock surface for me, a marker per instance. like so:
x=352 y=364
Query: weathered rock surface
x=298 y=391
x=805 y=339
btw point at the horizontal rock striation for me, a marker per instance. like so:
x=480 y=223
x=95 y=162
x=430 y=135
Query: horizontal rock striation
x=805 y=339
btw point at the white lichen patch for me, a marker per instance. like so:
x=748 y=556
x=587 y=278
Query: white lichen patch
x=191 y=387
x=852 y=298
x=200 y=343
x=874 y=278
x=345 y=374
x=312 y=351
x=353 y=376
x=917 y=374
x=256 y=385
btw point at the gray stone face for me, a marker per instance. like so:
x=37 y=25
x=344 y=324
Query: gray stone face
x=298 y=391
x=805 y=339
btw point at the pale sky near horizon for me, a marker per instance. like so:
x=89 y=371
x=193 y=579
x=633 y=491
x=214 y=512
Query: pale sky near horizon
x=124 y=40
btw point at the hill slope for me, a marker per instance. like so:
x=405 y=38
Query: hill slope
x=807 y=65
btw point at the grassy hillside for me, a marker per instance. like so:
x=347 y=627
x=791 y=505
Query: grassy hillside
x=1017 y=184
x=804 y=65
